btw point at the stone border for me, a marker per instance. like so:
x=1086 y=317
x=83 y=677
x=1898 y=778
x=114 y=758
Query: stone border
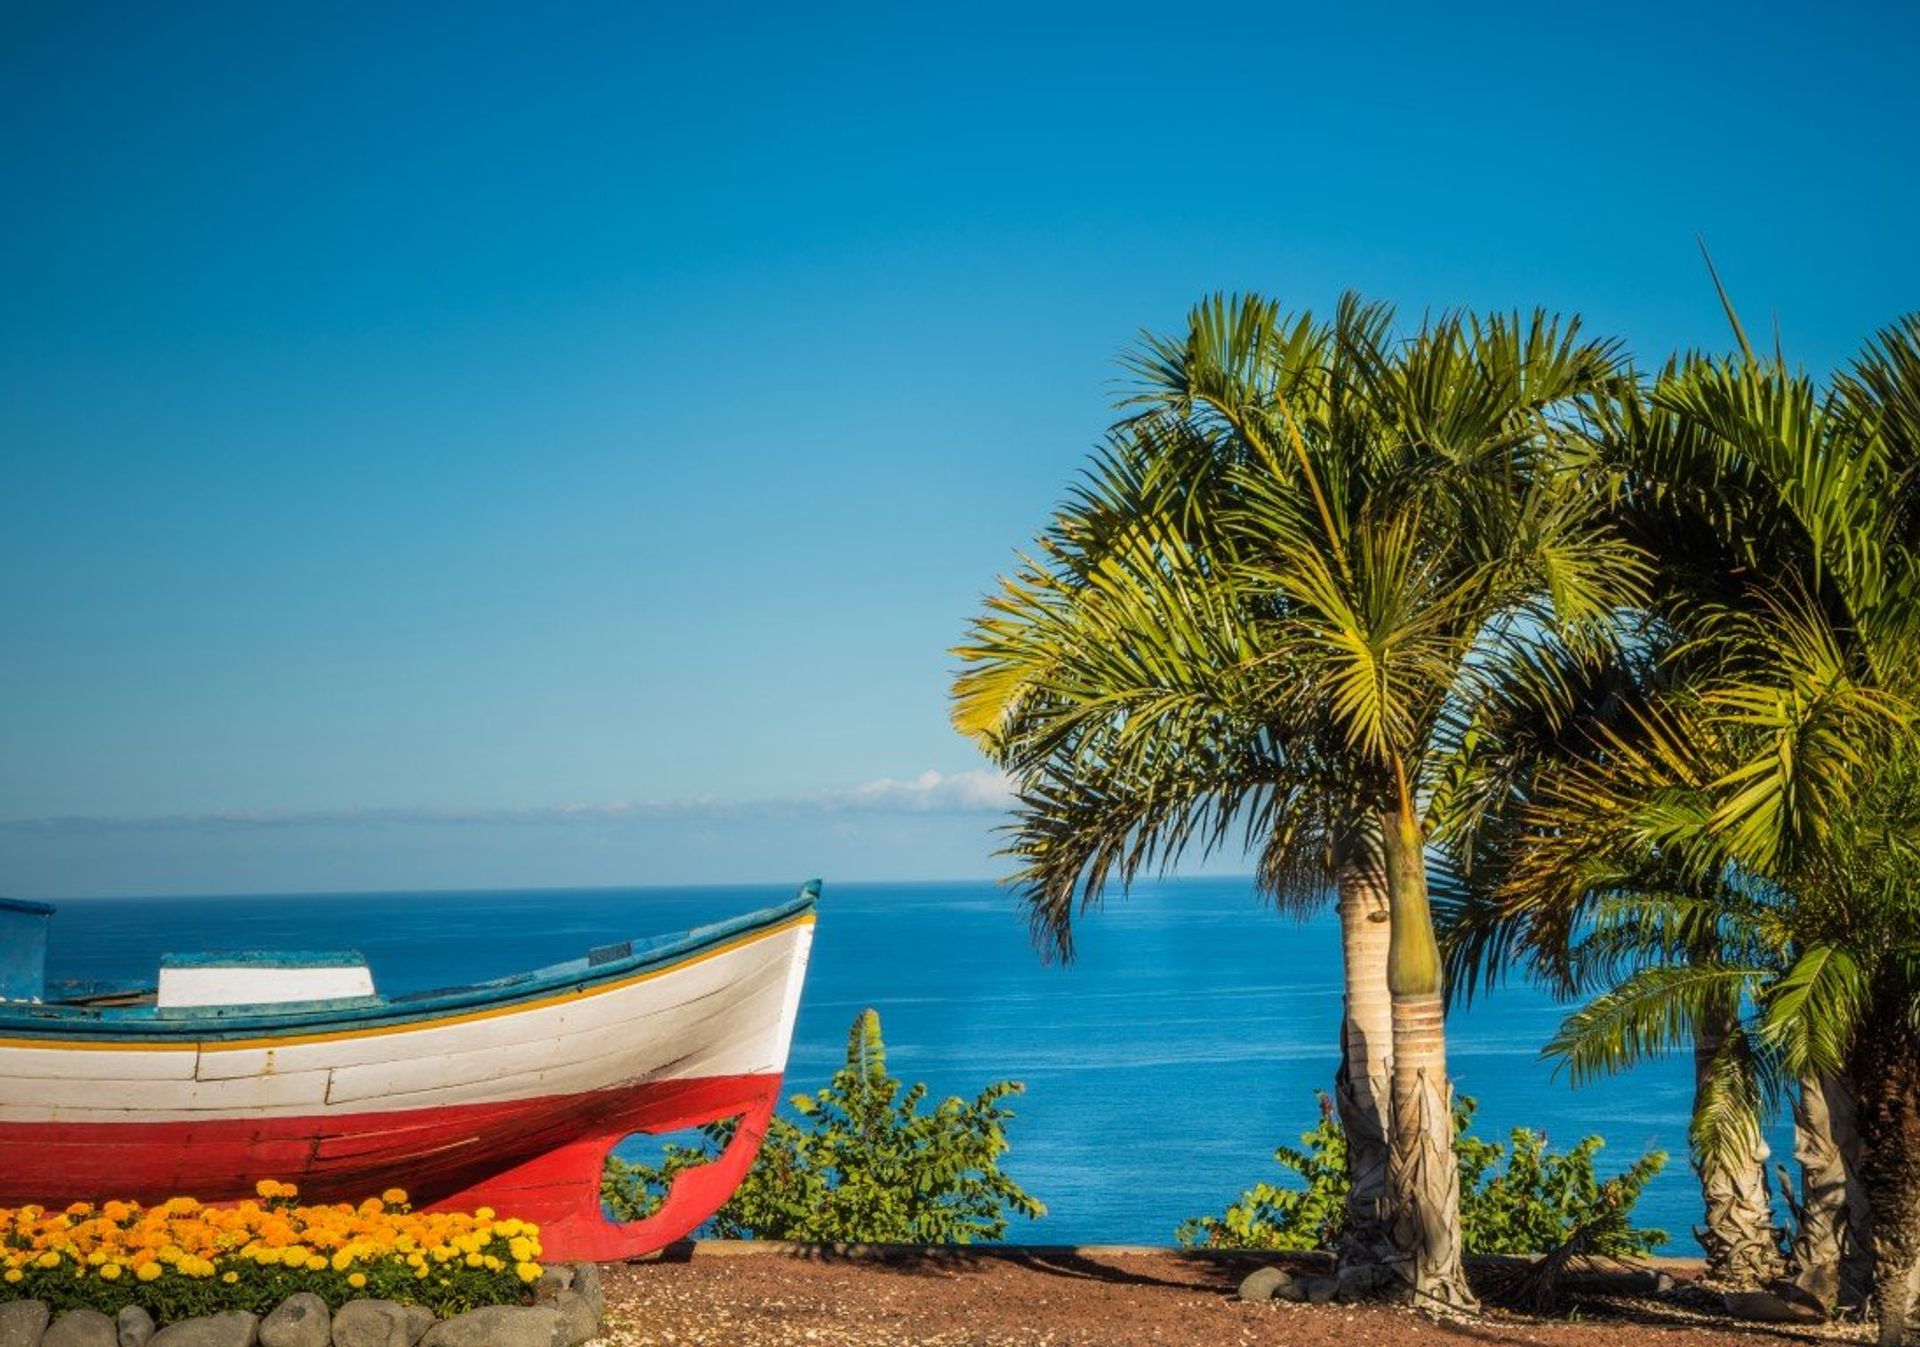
x=568 y=1308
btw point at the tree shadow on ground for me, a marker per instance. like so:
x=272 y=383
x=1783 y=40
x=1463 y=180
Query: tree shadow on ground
x=1218 y=1273
x=1212 y=1272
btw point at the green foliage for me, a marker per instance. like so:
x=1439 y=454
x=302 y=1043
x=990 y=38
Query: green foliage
x=1531 y=1204
x=1309 y=549
x=1288 y=1218
x=1724 y=848
x=864 y=1164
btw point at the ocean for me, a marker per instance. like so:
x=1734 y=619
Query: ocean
x=1186 y=1040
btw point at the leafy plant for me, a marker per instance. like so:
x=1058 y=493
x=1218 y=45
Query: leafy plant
x=863 y=1164
x=1531 y=1204
x=1288 y=1218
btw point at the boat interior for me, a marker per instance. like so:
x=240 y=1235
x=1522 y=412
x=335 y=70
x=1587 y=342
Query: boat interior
x=253 y=989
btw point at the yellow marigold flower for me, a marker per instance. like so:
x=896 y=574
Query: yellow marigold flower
x=316 y=1264
x=527 y=1272
x=110 y=1271
x=14 y=1274
x=357 y=1281
x=49 y=1259
x=229 y=1277
x=521 y=1248
x=343 y=1260
x=483 y=1213
x=394 y=1197
x=148 y=1272
x=420 y=1273
x=493 y=1264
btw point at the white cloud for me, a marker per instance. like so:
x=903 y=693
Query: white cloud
x=975 y=792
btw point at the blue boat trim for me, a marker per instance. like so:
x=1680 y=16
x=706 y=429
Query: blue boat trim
x=266 y=958
x=214 y=1023
x=333 y=1006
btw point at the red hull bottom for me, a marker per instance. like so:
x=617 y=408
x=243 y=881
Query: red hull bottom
x=536 y=1159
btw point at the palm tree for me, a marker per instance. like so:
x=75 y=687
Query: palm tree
x=1750 y=826
x=1107 y=673
x=1803 y=973
x=1556 y=891
x=1263 y=615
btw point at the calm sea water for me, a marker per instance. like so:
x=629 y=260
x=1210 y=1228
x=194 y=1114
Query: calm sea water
x=1162 y=1067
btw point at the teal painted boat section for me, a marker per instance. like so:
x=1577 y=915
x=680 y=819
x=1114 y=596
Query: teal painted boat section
x=267 y=958
x=23 y=949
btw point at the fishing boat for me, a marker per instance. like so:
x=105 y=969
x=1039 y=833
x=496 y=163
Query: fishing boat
x=235 y=1068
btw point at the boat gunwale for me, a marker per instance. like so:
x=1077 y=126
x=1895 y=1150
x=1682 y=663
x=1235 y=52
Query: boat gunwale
x=51 y=1025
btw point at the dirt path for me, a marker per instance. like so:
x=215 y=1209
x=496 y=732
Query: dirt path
x=1068 y=1299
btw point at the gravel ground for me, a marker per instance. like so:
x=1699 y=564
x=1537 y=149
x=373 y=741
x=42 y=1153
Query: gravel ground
x=1067 y=1299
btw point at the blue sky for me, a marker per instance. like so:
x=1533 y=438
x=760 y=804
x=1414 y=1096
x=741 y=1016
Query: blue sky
x=486 y=445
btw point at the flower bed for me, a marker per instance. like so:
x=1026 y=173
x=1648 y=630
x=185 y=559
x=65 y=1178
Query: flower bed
x=182 y=1258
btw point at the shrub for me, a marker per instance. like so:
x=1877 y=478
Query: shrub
x=863 y=1164
x=1531 y=1205
x=182 y=1258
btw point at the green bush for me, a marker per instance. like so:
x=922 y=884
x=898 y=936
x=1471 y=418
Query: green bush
x=863 y=1164
x=1531 y=1205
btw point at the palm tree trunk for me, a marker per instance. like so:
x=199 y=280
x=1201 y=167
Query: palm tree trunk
x=1738 y=1235
x=1366 y=1034
x=1886 y=1075
x=1833 y=1246
x=1423 y=1177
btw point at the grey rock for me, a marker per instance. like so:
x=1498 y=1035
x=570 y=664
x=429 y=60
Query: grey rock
x=1363 y=1281
x=1262 y=1283
x=378 y=1323
x=419 y=1319
x=135 y=1325
x=1764 y=1307
x=82 y=1328
x=1321 y=1290
x=22 y=1323
x=582 y=1322
x=301 y=1320
x=553 y=1280
x=230 y=1328
x=501 y=1326
x=586 y=1280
